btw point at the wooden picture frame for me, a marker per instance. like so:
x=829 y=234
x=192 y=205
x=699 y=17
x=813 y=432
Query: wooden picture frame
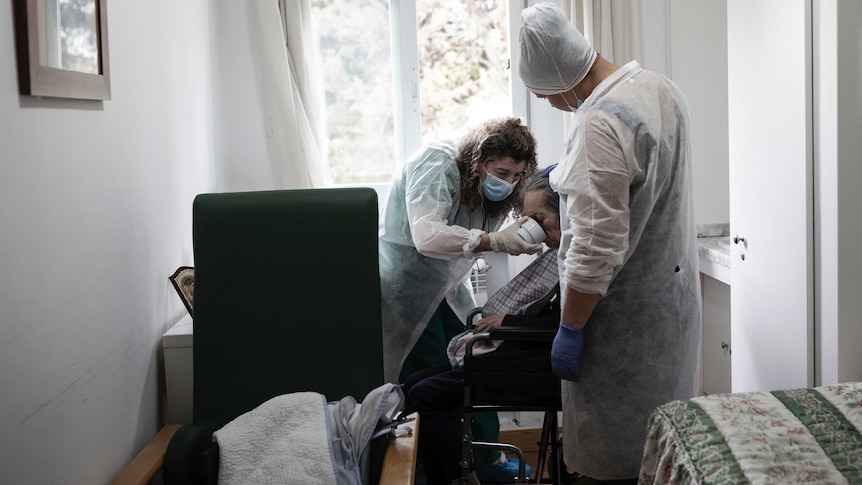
x=183 y=281
x=63 y=52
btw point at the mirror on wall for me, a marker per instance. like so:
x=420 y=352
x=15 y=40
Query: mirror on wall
x=63 y=48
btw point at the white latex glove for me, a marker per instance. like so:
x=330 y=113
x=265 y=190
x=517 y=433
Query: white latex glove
x=508 y=240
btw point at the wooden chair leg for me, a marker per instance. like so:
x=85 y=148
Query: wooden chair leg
x=148 y=461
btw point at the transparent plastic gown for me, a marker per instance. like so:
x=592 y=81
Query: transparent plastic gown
x=426 y=249
x=629 y=234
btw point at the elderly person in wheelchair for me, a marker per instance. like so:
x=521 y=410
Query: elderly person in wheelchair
x=531 y=298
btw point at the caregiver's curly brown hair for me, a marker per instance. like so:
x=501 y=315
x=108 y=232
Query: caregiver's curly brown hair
x=499 y=137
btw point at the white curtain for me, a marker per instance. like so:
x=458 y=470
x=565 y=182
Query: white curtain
x=293 y=94
x=613 y=27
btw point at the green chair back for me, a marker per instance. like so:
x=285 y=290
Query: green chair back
x=287 y=297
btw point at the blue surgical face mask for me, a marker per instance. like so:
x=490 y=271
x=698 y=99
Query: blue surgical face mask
x=497 y=189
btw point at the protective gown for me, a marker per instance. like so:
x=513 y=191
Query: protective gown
x=626 y=190
x=426 y=249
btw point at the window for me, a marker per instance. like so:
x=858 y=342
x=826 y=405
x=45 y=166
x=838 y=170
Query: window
x=397 y=72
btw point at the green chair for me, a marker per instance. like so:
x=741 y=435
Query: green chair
x=287 y=299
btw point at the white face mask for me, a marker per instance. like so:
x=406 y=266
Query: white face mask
x=574 y=108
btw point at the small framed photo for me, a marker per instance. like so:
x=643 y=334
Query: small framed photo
x=183 y=280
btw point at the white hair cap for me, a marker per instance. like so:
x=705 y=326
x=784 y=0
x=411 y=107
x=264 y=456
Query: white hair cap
x=555 y=57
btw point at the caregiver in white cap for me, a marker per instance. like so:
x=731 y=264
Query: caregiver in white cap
x=629 y=339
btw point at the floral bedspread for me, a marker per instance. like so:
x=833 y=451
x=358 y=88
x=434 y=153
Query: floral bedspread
x=784 y=437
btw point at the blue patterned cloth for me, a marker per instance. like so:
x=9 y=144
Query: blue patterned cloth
x=527 y=287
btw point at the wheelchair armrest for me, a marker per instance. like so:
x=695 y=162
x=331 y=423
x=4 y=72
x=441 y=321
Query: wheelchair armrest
x=521 y=334
x=471 y=315
x=534 y=334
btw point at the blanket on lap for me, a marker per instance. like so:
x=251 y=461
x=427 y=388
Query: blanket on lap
x=303 y=439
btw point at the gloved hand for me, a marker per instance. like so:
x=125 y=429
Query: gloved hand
x=508 y=240
x=566 y=352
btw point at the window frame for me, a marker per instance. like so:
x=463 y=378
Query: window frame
x=405 y=74
x=405 y=78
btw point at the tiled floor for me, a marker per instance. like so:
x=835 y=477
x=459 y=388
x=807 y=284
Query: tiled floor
x=525 y=421
x=517 y=420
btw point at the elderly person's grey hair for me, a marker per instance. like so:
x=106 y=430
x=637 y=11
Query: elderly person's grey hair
x=551 y=198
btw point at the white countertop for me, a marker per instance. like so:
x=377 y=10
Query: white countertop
x=180 y=334
x=714 y=252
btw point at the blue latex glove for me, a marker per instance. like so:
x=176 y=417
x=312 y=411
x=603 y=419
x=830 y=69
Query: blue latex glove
x=566 y=352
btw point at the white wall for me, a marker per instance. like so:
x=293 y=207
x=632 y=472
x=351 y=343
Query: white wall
x=838 y=231
x=95 y=210
x=849 y=215
x=697 y=33
x=240 y=134
x=654 y=29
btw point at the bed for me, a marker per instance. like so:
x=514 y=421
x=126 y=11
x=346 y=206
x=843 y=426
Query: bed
x=811 y=435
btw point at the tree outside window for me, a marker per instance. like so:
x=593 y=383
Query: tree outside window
x=463 y=78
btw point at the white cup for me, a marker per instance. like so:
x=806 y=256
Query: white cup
x=531 y=231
